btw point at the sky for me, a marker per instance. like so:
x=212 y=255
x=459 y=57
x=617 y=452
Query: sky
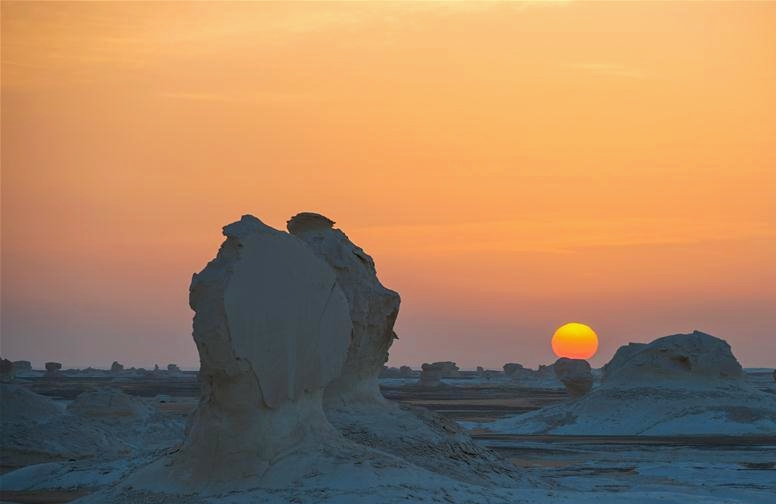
x=510 y=167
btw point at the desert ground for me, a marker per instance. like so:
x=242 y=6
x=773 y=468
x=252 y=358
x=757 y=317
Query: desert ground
x=653 y=468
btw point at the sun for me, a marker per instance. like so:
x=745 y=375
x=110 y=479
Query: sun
x=575 y=341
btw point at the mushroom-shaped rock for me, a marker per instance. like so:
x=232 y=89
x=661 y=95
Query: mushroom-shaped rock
x=673 y=359
x=575 y=374
x=430 y=375
x=373 y=307
x=53 y=368
x=272 y=328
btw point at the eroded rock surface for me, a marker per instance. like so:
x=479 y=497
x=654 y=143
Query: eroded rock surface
x=373 y=307
x=272 y=329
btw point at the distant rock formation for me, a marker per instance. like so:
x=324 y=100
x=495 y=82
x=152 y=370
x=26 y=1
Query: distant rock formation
x=683 y=384
x=406 y=372
x=53 y=369
x=575 y=374
x=116 y=367
x=373 y=307
x=22 y=366
x=695 y=356
x=272 y=328
x=173 y=368
x=431 y=374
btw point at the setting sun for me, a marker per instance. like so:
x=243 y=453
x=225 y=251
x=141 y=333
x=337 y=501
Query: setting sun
x=575 y=341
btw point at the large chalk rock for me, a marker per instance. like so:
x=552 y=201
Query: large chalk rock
x=575 y=374
x=373 y=307
x=272 y=329
x=431 y=374
x=672 y=359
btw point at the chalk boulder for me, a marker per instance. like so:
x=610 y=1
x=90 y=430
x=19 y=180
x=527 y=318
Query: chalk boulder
x=373 y=307
x=673 y=359
x=575 y=374
x=272 y=328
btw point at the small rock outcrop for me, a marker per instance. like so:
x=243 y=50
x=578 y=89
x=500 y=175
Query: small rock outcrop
x=432 y=374
x=575 y=374
x=406 y=372
x=7 y=371
x=22 y=366
x=109 y=403
x=173 y=369
x=116 y=367
x=53 y=369
x=373 y=307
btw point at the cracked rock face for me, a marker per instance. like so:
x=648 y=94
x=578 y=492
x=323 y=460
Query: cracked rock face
x=373 y=308
x=575 y=374
x=272 y=329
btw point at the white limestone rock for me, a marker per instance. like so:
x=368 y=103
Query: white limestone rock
x=672 y=359
x=575 y=374
x=373 y=308
x=272 y=329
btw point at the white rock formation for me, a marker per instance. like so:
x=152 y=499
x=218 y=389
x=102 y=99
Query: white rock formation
x=272 y=328
x=575 y=374
x=684 y=384
x=373 y=308
x=431 y=374
x=695 y=356
x=353 y=402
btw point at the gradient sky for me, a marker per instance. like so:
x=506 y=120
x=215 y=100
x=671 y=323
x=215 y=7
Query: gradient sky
x=510 y=167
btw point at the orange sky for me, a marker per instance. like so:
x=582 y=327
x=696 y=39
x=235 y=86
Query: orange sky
x=510 y=167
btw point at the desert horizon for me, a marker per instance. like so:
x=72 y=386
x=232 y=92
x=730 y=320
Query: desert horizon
x=378 y=252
